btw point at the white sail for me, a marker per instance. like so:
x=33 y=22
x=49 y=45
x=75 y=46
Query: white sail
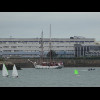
x=4 y=71
x=14 y=72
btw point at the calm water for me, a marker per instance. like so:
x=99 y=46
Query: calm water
x=64 y=77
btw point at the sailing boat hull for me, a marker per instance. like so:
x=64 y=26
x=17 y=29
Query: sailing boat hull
x=47 y=67
x=15 y=76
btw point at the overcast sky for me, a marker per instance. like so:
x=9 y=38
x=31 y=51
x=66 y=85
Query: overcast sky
x=64 y=24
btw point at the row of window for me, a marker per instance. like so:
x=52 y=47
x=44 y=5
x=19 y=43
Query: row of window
x=93 y=53
x=33 y=46
x=39 y=41
x=35 y=51
x=18 y=51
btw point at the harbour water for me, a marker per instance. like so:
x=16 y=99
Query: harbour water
x=65 y=77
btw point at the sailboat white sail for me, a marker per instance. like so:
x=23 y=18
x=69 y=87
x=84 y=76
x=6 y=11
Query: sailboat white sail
x=4 y=71
x=14 y=72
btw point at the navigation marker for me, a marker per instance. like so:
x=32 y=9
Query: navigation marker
x=76 y=72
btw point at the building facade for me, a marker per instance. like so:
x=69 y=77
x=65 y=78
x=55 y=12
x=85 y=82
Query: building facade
x=31 y=47
x=87 y=50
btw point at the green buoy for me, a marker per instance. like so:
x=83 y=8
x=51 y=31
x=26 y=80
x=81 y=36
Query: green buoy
x=76 y=72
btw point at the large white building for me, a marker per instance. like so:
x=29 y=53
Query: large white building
x=30 y=47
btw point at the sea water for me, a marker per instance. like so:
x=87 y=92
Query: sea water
x=65 y=77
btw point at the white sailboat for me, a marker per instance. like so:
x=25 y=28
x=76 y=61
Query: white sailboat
x=14 y=72
x=4 y=71
x=50 y=64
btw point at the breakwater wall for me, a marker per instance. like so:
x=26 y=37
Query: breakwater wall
x=24 y=63
x=9 y=65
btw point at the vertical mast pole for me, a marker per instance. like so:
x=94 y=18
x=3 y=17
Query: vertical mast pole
x=42 y=46
x=50 y=43
x=41 y=41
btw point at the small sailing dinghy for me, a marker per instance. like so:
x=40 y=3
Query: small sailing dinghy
x=14 y=72
x=4 y=71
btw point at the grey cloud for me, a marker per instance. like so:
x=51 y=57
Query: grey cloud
x=64 y=24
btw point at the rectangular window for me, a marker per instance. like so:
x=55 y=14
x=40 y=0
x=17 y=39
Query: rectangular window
x=5 y=46
x=13 y=46
x=6 y=50
x=20 y=46
x=18 y=50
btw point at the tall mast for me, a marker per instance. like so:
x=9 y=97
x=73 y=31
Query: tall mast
x=41 y=53
x=50 y=32
x=50 y=43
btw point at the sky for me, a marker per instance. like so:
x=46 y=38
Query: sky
x=63 y=24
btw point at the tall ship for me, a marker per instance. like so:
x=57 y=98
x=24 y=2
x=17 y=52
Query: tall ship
x=51 y=64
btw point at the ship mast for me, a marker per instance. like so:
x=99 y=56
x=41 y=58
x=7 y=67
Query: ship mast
x=50 y=43
x=41 y=53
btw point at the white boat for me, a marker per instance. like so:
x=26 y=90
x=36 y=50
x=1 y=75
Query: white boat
x=14 y=72
x=47 y=65
x=4 y=71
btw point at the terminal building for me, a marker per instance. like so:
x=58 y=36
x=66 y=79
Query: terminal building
x=87 y=50
x=64 y=47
